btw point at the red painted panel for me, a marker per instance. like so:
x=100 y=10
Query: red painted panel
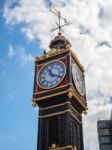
x=64 y=81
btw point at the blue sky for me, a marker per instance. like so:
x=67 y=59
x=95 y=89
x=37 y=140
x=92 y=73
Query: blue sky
x=18 y=125
x=24 y=32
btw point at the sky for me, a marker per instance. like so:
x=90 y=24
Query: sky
x=24 y=34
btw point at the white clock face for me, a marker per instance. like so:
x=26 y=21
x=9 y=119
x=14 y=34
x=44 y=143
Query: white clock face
x=51 y=74
x=78 y=79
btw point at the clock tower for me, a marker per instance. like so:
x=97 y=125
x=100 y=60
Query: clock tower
x=59 y=91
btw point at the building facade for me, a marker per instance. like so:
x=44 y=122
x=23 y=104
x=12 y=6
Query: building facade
x=105 y=134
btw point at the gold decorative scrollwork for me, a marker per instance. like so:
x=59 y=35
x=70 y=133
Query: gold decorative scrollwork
x=70 y=94
x=54 y=147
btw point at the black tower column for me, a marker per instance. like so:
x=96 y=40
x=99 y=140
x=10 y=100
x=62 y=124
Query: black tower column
x=59 y=124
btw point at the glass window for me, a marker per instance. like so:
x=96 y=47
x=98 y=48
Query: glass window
x=104 y=124
x=106 y=147
x=105 y=140
x=105 y=131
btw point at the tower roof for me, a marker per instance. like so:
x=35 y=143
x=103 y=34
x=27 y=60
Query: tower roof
x=60 y=42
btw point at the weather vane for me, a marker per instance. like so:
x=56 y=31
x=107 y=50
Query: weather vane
x=59 y=26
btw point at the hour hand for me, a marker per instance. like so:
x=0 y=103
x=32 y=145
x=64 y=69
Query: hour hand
x=55 y=74
x=50 y=72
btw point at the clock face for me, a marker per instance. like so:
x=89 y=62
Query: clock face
x=78 y=79
x=51 y=74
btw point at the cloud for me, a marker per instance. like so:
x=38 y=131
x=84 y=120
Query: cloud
x=11 y=52
x=19 y=54
x=105 y=15
x=104 y=43
x=91 y=36
x=95 y=113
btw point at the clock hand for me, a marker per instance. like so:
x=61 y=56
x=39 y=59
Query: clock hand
x=50 y=72
x=55 y=74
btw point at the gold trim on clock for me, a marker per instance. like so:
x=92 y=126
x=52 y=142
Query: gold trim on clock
x=55 y=114
x=51 y=95
x=74 y=92
x=54 y=106
x=60 y=113
x=78 y=98
x=52 y=89
x=38 y=59
x=51 y=61
x=70 y=52
x=54 y=147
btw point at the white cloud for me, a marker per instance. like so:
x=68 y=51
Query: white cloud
x=90 y=123
x=91 y=25
x=19 y=54
x=11 y=52
x=27 y=58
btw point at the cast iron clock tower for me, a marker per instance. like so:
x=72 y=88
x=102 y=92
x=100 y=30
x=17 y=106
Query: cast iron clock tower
x=59 y=91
